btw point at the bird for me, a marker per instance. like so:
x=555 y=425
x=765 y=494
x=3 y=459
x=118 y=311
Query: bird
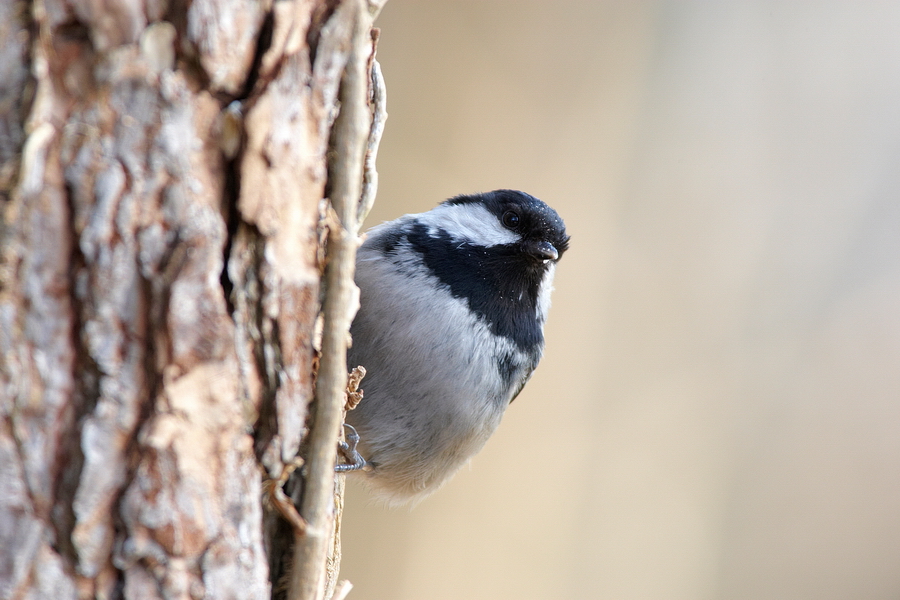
x=453 y=303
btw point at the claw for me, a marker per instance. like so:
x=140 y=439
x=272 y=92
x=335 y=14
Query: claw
x=348 y=449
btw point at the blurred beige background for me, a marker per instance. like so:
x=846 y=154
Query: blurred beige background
x=717 y=415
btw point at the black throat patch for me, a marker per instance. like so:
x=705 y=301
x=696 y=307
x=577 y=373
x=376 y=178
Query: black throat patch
x=499 y=283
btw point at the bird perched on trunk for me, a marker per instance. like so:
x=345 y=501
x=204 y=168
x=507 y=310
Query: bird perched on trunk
x=452 y=309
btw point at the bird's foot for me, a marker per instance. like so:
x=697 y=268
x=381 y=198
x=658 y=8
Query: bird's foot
x=355 y=460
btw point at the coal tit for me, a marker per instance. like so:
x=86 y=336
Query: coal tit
x=450 y=327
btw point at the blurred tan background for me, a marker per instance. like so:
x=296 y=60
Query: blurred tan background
x=717 y=415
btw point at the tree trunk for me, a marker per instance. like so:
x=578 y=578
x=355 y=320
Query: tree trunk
x=163 y=240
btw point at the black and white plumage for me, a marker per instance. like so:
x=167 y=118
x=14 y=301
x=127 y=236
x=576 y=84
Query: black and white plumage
x=452 y=308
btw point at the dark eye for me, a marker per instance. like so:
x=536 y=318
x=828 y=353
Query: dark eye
x=510 y=219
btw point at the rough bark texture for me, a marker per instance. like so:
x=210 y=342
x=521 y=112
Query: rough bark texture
x=163 y=172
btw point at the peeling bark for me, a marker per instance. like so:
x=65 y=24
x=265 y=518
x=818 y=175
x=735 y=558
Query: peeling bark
x=164 y=170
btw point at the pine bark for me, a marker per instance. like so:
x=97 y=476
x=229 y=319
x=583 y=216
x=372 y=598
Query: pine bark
x=164 y=173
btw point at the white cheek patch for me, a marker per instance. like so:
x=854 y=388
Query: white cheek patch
x=543 y=299
x=471 y=223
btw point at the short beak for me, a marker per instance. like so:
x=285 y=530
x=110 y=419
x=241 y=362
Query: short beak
x=544 y=251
